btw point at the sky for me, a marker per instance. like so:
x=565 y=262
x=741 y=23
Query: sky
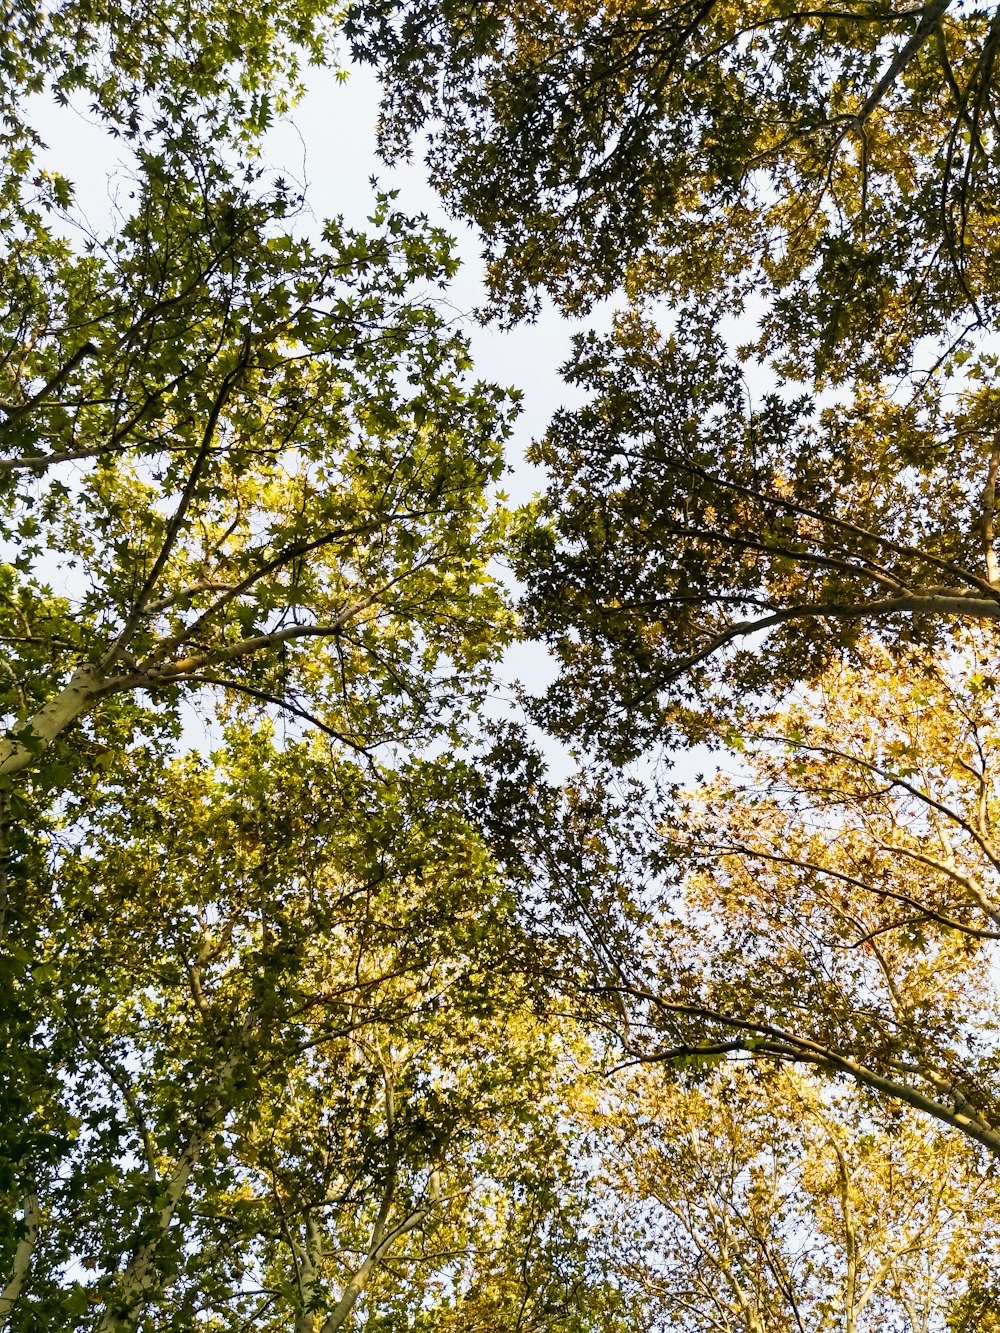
x=331 y=139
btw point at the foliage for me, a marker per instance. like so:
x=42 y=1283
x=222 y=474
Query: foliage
x=265 y=1011
x=756 y=1201
x=315 y=1028
x=836 y=908
x=828 y=174
x=694 y=553
x=804 y=572
x=140 y=69
x=842 y=158
x=249 y=459
x=297 y=1055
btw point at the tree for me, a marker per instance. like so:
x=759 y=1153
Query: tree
x=255 y=1003
x=747 y=1201
x=286 y=1042
x=141 y=70
x=840 y=157
x=292 y=1055
x=280 y=466
x=828 y=172
x=836 y=909
x=694 y=553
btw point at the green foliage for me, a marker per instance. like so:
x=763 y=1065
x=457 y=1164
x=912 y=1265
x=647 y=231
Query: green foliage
x=681 y=520
x=976 y=1309
x=267 y=1019
x=250 y=458
x=827 y=175
x=139 y=68
x=320 y=1028
x=295 y=991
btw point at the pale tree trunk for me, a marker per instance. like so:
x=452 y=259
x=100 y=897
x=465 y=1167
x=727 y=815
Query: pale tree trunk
x=383 y=1238
x=22 y=1257
x=309 y=1262
x=850 y=1243
x=724 y=1242
x=989 y=520
x=136 y=1282
x=337 y=1317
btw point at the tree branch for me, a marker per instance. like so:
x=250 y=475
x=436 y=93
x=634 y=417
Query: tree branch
x=930 y=16
x=989 y=515
x=177 y=519
x=62 y=374
x=766 y=1039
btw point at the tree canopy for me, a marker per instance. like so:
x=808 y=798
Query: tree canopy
x=246 y=469
x=326 y=1004
x=841 y=156
x=295 y=1056
x=772 y=1203
x=827 y=172
x=697 y=549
